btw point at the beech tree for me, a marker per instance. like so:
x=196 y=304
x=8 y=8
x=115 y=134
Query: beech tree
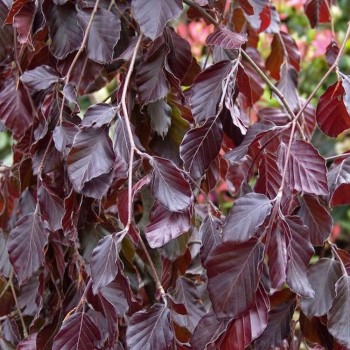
x=158 y=198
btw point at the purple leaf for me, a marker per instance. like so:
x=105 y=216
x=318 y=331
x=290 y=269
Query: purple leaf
x=208 y=331
x=331 y=113
x=338 y=181
x=300 y=251
x=278 y=326
x=324 y=287
x=210 y=231
x=244 y=219
x=30 y=297
x=14 y=102
x=338 y=316
x=102 y=35
x=226 y=38
x=288 y=85
x=278 y=257
x=26 y=244
x=5 y=265
x=90 y=157
x=28 y=343
x=200 y=147
x=244 y=329
x=103 y=263
x=207 y=90
x=187 y=294
x=160 y=114
x=77 y=332
x=306 y=169
x=165 y=225
x=63 y=136
x=316 y=217
x=99 y=115
x=179 y=57
x=150 y=78
x=169 y=186
x=233 y=275
x=66 y=36
x=153 y=15
x=150 y=330
x=40 y=78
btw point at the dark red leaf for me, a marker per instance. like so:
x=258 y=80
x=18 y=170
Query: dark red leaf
x=150 y=330
x=244 y=329
x=103 y=263
x=150 y=78
x=207 y=90
x=160 y=114
x=316 y=217
x=200 y=146
x=5 y=265
x=29 y=298
x=288 y=85
x=210 y=231
x=179 y=58
x=317 y=11
x=169 y=186
x=233 y=275
x=278 y=326
x=51 y=206
x=244 y=219
x=226 y=38
x=208 y=331
x=165 y=225
x=28 y=343
x=306 y=169
x=23 y=21
x=66 y=36
x=324 y=287
x=187 y=294
x=300 y=251
x=99 y=115
x=90 y=157
x=14 y=102
x=331 y=113
x=26 y=244
x=102 y=35
x=40 y=78
x=332 y=52
x=338 y=317
x=6 y=33
x=153 y=15
x=78 y=332
x=338 y=182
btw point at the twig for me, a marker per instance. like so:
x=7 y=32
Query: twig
x=134 y=149
x=344 y=155
x=335 y=253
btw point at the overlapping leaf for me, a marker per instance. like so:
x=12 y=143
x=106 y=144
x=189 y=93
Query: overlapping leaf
x=331 y=114
x=207 y=90
x=233 y=275
x=26 y=245
x=160 y=114
x=338 y=181
x=98 y=115
x=90 y=157
x=40 y=78
x=102 y=35
x=316 y=217
x=200 y=146
x=78 y=332
x=324 y=287
x=150 y=330
x=306 y=169
x=244 y=329
x=300 y=251
x=317 y=11
x=244 y=219
x=169 y=187
x=165 y=225
x=226 y=38
x=288 y=85
x=338 y=317
x=66 y=36
x=210 y=231
x=153 y=15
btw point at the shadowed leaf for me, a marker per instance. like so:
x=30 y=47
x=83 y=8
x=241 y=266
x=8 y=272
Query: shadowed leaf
x=210 y=231
x=338 y=182
x=160 y=114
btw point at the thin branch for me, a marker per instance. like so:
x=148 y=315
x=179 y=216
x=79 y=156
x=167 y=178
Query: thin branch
x=335 y=254
x=134 y=149
x=344 y=155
